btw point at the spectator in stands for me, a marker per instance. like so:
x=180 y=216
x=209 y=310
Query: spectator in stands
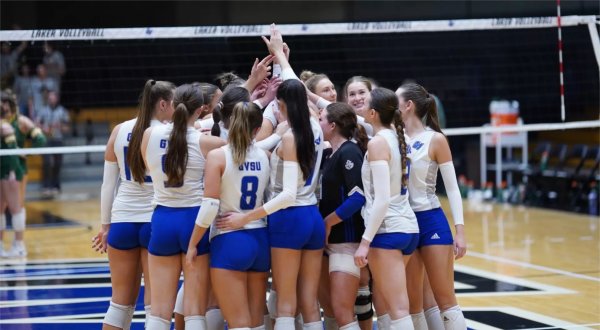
x=40 y=84
x=54 y=120
x=24 y=89
x=54 y=62
x=8 y=63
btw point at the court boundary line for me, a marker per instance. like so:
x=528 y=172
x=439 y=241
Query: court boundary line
x=531 y=266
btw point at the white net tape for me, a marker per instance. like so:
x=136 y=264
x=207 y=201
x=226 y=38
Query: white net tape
x=293 y=29
x=448 y=131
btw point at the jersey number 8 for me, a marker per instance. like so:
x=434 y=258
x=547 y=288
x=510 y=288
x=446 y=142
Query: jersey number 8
x=249 y=190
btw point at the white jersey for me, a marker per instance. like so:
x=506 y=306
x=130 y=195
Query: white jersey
x=208 y=124
x=399 y=217
x=133 y=202
x=243 y=186
x=306 y=188
x=423 y=173
x=191 y=192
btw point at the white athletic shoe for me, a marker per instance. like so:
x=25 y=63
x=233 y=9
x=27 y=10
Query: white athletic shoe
x=17 y=251
x=3 y=253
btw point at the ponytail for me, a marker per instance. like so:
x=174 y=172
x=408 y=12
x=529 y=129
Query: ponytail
x=176 y=157
x=188 y=98
x=216 y=116
x=425 y=105
x=361 y=137
x=153 y=92
x=399 y=124
x=245 y=119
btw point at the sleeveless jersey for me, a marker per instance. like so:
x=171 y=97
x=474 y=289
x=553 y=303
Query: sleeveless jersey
x=243 y=186
x=423 y=173
x=399 y=217
x=133 y=202
x=191 y=191
x=306 y=188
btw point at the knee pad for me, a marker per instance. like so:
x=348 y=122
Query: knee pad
x=156 y=323
x=214 y=319
x=18 y=220
x=195 y=322
x=2 y=221
x=363 y=307
x=272 y=304
x=117 y=315
x=260 y=327
x=313 y=326
x=339 y=262
x=179 y=302
x=131 y=311
x=284 y=323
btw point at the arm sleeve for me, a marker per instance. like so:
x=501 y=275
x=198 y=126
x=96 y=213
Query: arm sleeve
x=351 y=163
x=269 y=112
x=288 y=73
x=276 y=70
x=368 y=128
x=290 y=187
x=322 y=103
x=37 y=137
x=380 y=171
x=269 y=143
x=449 y=177
x=208 y=211
x=108 y=191
x=257 y=102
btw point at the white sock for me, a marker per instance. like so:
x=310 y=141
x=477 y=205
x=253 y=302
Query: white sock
x=434 y=319
x=284 y=323
x=318 y=325
x=18 y=220
x=156 y=323
x=195 y=322
x=260 y=327
x=214 y=320
x=299 y=322
x=419 y=321
x=383 y=322
x=147 y=310
x=454 y=319
x=351 y=326
x=330 y=323
x=404 y=323
x=235 y=328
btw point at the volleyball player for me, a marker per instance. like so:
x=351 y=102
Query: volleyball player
x=236 y=178
x=23 y=128
x=11 y=172
x=321 y=85
x=211 y=95
x=175 y=155
x=341 y=200
x=436 y=249
x=296 y=229
x=391 y=232
x=125 y=218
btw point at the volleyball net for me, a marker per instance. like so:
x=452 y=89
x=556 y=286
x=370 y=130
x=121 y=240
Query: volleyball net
x=466 y=63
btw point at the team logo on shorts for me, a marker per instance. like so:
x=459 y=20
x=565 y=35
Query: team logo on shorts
x=349 y=165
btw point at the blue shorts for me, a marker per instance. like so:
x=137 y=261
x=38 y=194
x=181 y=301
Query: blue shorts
x=171 y=231
x=298 y=228
x=433 y=228
x=242 y=250
x=407 y=243
x=129 y=235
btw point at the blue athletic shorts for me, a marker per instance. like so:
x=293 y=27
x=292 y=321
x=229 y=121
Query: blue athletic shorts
x=171 y=231
x=129 y=235
x=433 y=228
x=298 y=228
x=242 y=250
x=407 y=243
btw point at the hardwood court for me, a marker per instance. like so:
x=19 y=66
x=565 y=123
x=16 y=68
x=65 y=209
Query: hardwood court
x=525 y=268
